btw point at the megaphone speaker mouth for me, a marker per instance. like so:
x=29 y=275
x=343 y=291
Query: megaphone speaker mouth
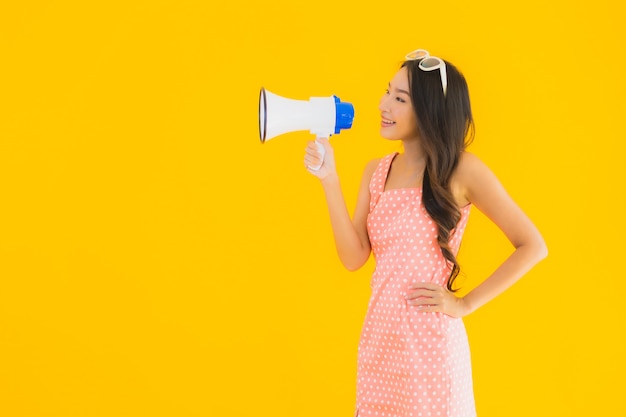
x=321 y=116
x=262 y=115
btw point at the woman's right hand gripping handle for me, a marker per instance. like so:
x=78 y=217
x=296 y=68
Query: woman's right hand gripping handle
x=319 y=152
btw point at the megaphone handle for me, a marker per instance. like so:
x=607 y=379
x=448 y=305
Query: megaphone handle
x=322 y=151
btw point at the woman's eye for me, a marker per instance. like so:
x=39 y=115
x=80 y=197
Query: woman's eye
x=400 y=99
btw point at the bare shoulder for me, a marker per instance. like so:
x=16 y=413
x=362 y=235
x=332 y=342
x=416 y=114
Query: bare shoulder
x=368 y=172
x=370 y=167
x=470 y=176
x=470 y=170
x=469 y=163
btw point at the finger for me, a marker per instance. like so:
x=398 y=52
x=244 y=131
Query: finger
x=312 y=151
x=315 y=172
x=313 y=167
x=428 y=308
x=423 y=302
x=426 y=286
x=325 y=143
x=420 y=294
x=312 y=161
x=423 y=290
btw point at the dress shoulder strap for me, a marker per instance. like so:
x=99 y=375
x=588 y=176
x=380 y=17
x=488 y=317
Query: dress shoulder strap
x=379 y=178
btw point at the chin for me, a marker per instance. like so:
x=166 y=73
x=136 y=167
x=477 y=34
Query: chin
x=386 y=135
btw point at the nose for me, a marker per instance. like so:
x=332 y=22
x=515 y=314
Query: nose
x=383 y=105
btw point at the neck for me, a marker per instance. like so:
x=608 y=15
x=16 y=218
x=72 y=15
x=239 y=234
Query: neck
x=414 y=156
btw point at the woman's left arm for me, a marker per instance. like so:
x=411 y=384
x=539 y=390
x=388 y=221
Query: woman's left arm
x=486 y=193
x=474 y=182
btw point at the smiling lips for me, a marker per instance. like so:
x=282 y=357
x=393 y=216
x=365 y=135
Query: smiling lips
x=387 y=123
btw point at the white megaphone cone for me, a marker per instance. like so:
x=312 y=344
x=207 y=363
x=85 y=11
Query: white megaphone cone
x=322 y=116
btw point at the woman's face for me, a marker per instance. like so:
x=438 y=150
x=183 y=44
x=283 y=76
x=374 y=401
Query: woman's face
x=398 y=118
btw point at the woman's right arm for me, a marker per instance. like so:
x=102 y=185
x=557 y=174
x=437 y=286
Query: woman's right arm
x=351 y=239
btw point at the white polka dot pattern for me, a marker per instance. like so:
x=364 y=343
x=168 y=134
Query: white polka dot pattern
x=410 y=363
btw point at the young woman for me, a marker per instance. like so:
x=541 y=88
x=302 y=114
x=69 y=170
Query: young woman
x=411 y=213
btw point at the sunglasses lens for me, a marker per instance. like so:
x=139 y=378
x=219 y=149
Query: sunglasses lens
x=419 y=54
x=430 y=63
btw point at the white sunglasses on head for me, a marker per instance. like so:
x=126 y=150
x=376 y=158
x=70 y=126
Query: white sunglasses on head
x=430 y=63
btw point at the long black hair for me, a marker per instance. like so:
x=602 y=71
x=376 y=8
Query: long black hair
x=446 y=128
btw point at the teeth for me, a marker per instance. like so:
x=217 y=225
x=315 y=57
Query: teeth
x=389 y=122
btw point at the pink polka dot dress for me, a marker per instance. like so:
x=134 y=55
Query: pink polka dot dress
x=410 y=363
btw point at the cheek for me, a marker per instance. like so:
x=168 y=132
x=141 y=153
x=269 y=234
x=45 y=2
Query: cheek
x=409 y=121
x=410 y=114
x=407 y=116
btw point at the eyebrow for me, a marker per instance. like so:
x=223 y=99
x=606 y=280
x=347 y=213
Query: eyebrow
x=400 y=90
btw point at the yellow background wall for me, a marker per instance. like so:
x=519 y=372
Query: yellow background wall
x=157 y=260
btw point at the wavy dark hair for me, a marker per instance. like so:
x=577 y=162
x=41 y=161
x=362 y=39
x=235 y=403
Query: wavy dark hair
x=446 y=128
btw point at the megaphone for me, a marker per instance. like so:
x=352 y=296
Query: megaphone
x=322 y=116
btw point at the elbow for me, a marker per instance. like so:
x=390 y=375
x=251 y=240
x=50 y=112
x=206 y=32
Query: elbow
x=536 y=250
x=354 y=264
x=541 y=250
x=353 y=258
x=352 y=267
